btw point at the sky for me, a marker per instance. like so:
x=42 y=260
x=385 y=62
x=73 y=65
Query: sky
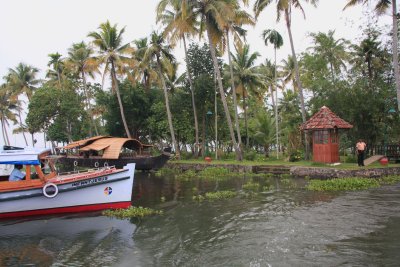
x=32 y=29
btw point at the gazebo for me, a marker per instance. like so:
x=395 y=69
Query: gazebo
x=324 y=126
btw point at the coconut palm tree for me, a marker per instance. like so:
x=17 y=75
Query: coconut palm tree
x=180 y=24
x=234 y=25
x=22 y=80
x=8 y=104
x=214 y=15
x=273 y=37
x=140 y=70
x=381 y=7
x=333 y=51
x=81 y=62
x=111 y=53
x=247 y=79
x=285 y=7
x=159 y=55
x=56 y=64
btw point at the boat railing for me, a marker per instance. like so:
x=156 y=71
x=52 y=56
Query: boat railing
x=91 y=170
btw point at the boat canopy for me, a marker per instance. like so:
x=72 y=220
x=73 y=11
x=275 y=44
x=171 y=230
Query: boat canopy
x=111 y=146
x=26 y=156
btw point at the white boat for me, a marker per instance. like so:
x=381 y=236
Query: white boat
x=44 y=191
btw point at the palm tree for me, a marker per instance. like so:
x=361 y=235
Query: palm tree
x=22 y=80
x=141 y=71
x=160 y=54
x=264 y=130
x=333 y=51
x=246 y=76
x=81 y=62
x=273 y=37
x=57 y=65
x=288 y=72
x=180 y=23
x=285 y=7
x=240 y=18
x=8 y=103
x=214 y=16
x=381 y=7
x=112 y=53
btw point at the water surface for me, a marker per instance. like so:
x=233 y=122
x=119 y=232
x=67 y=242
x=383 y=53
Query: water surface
x=277 y=224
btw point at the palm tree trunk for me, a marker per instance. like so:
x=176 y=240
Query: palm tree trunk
x=276 y=108
x=196 y=124
x=121 y=107
x=89 y=106
x=169 y=115
x=235 y=105
x=395 y=51
x=216 y=124
x=223 y=99
x=4 y=130
x=245 y=117
x=296 y=67
x=23 y=130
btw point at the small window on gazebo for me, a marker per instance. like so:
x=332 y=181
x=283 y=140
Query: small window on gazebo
x=321 y=137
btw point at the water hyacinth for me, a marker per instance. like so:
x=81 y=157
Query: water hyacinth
x=343 y=184
x=218 y=195
x=131 y=212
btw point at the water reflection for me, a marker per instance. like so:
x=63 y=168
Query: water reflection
x=271 y=222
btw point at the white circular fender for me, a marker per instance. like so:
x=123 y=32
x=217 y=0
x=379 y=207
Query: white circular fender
x=75 y=163
x=96 y=164
x=52 y=194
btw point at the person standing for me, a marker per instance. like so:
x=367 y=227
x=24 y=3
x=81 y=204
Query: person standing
x=360 y=146
x=17 y=174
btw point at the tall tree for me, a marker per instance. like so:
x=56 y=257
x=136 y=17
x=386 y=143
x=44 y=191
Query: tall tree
x=179 y=24
x=273 y=37
x=247 y=78
x=22 y=80
x=108 y=41
x=8 y=104
x=214 y=16
x=56 y=64
x=381 y=7
x=81 y=61
x=331 y=50
x=234 y=25
x=285 y=7
x=160 y=53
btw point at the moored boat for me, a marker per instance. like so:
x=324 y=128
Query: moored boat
x=44 y=191
x=111 y=151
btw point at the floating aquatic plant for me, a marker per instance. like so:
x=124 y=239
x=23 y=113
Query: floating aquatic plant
x=218 y=195
x=343 y=184
x=131 y=212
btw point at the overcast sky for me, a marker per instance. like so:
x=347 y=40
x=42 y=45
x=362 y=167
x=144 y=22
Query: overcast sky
x=32 y=29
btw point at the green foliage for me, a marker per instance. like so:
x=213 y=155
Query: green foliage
x=215 y=173
x=186 y=175
x=391 y=179
x=167 y=172
x=295 y=156
x=218 y=195
x=251 y=186
x=131 y=212
x=343 y=184
x=250 y=155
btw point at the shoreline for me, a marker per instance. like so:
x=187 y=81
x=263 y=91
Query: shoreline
x=295 y=171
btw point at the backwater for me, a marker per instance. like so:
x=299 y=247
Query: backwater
x=271 y=222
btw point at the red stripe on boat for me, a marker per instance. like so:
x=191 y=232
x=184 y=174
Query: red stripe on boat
x=83 y=208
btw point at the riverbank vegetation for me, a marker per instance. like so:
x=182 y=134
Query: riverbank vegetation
x=229 y=109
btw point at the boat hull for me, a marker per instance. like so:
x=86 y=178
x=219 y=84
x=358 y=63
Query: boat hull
x=142 y=163
x=111 y=190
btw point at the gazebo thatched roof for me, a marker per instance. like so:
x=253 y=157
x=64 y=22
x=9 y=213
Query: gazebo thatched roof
x=325 y=119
